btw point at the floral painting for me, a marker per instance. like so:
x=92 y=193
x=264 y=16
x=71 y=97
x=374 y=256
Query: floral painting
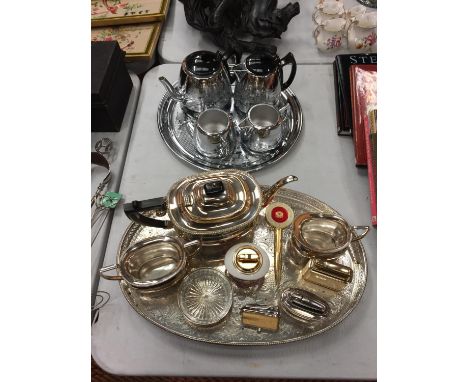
x=133 y=39
x=112 y=10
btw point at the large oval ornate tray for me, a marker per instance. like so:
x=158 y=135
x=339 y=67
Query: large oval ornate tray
x=164 y=311
x=175 y=130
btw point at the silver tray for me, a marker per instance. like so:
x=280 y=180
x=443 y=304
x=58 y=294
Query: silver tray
x=163 y=310
x=175 y=130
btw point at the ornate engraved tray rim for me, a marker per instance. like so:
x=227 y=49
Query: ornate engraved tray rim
x=284 y=195
x=254 y=163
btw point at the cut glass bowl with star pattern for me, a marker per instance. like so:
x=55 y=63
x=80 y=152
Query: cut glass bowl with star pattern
x=205 y=297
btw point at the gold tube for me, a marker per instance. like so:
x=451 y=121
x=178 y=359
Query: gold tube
x=278 y=234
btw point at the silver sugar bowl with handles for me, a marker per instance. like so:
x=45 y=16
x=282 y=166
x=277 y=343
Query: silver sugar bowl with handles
x=260 y=80
x=154 y=263
x=204 y=82
x=321 y=236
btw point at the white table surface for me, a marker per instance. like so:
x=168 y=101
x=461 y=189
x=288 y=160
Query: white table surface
x=125 y=343
x=178 y=39
x=120 y=142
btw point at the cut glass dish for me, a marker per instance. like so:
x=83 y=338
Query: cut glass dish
x=205 y=297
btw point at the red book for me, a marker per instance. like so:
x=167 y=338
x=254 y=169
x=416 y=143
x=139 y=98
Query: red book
x=370 y=126
x=363 y=84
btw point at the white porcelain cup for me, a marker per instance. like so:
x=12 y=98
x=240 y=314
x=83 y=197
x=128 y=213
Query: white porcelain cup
x=328 y=10
x=331 y=35
x=362 y=33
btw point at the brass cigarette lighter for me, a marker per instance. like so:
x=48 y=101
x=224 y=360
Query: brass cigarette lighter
x=327 y=274
x=260 y=317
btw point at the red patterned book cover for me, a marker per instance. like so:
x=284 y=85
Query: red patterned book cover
x=370 y=126
x=363 y=81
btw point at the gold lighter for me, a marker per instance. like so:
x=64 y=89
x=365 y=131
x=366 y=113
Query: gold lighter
x=260 y=317
x=327 y=274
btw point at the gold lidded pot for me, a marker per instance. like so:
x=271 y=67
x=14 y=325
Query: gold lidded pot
x=318 y=235
x=219 y=208
x=246 y=264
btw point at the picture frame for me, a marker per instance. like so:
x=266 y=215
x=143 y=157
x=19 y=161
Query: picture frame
x=123 y=12
x=138 y=41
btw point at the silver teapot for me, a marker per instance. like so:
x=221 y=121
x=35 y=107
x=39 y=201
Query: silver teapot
x=262 y=80
x=219 y=208
x=204 y=82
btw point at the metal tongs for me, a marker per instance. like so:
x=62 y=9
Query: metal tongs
x=100 y=160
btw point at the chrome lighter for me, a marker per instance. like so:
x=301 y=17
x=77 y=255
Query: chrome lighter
x=303 y=305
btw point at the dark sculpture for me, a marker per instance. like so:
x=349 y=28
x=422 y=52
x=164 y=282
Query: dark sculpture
x=230 y=20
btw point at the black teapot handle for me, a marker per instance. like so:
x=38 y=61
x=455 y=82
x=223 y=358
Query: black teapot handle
x=133 y=209
x=224 y=60
x=288 y=59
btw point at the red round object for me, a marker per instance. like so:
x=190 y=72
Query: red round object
x=279 y=214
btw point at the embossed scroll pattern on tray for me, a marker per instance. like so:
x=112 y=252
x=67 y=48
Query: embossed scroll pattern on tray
x=165 y=313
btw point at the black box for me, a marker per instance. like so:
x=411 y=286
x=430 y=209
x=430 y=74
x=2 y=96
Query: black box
x=342 y=87
x=110 y=86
